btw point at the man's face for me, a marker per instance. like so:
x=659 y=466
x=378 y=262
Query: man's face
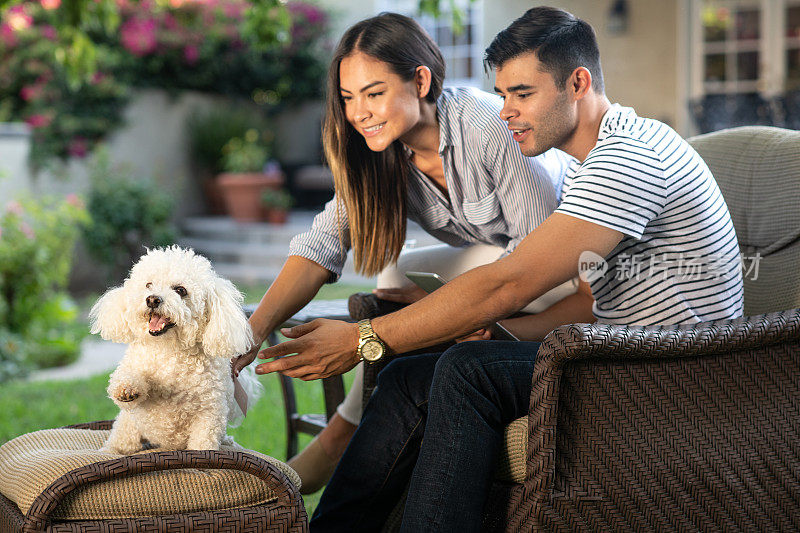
x=539 y=115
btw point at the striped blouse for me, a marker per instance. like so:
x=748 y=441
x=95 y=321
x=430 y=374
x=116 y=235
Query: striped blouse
x=495 y=195
x=679 y=259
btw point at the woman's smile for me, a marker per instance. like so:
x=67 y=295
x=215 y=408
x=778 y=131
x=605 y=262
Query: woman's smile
x=372 y=130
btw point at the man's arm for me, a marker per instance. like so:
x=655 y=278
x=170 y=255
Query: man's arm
x=544 y=259
x=575 y=308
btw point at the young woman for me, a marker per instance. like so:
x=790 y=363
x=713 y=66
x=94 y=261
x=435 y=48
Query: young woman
x=402 y=147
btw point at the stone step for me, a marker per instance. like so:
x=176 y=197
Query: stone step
x=251 y=275
x=227 y=229
x=229 y=251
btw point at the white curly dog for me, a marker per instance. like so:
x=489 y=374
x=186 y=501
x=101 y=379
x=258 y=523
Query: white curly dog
x=183 y=324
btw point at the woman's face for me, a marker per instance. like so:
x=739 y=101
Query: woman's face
x=377 y=102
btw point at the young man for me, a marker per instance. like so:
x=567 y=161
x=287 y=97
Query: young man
x=637 y=195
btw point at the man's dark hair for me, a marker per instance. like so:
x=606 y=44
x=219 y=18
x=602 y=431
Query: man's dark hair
x=561 y=41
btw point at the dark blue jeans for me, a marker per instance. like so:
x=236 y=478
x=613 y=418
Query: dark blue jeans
x=460 y=401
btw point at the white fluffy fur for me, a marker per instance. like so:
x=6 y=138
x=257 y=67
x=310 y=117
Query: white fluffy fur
x=181 y=379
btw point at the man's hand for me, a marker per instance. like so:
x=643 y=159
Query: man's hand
x=404 y=295
x=322 y=348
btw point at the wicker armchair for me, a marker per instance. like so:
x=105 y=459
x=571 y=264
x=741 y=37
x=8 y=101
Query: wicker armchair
x=653 y=429
x=675 y=428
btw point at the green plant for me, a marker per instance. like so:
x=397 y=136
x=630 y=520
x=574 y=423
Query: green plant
x=276 y=199
x=37 y=237
x=128 y=214
x=13 y=355
x=248 y=154
x=210 y=131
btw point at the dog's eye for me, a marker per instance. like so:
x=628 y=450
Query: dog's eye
x=149 y=285
x=180 y=290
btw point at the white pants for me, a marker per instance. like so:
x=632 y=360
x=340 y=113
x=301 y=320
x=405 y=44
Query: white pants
x=449 y=262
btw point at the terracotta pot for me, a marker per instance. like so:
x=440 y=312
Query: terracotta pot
x=277 y=216
x=242 y=192
x=213 y=196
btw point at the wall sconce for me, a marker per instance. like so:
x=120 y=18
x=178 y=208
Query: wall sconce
x=617 y=23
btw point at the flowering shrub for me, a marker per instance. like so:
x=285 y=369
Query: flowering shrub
x=65 y=121
x=37 y=318
x=176 y=45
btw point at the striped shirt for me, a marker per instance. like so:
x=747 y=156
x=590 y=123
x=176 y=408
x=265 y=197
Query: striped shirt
x=678 y=261
x=495 y=195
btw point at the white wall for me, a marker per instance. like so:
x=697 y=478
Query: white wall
x=14 y=149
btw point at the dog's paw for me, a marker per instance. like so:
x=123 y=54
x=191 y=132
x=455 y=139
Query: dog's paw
x=124 y=393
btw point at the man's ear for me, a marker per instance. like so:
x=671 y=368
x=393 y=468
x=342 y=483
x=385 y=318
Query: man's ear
x=580 y=82
x=422 y=80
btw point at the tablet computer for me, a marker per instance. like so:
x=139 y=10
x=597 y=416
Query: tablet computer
x=429 y=282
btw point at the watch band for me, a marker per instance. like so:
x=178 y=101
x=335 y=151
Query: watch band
x=367 y=336
x=365 y=329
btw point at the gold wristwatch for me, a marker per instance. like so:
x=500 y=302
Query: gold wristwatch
x=370 y=346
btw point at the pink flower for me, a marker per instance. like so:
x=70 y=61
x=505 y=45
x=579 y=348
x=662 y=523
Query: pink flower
x=311 y=13
x=27 y=230
x=50 y=4
x=78 y=147
x=176 y=3
x=30 y=92
x=18 y=19
x=170 y=22
x=7 y=35
x=39 y=121
x=139 y=36
x=191 y=54
x=15 y=208
x=74 y=200
x=98 y=77
x=234 y=11
x=49 y=32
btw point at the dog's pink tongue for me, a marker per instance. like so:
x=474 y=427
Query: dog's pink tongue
x=157 y=322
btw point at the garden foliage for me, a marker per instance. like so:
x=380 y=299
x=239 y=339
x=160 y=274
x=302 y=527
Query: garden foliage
x=177 y=45
x=37 y=317
x=128 y=215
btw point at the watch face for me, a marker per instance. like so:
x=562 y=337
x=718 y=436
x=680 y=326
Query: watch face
x=372 y=350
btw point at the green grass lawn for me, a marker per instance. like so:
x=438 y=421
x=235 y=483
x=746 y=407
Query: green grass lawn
x=29 y=406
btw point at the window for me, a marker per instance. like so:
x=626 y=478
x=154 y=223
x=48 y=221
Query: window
x=746 y=63
x=462 y=51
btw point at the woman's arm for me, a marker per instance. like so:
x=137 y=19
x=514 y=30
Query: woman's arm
x=297 y=283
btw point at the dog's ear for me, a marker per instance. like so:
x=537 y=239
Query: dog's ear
x=227 y=332
x=108 y=317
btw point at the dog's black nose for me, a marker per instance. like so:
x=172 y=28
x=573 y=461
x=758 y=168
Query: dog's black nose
x=153 y=301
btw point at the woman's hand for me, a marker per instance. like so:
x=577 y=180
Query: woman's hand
x=482 y=334
x=404 y=295
x=318 y=349
x=240 y=363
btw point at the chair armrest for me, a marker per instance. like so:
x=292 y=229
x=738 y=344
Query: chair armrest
x=585 y=342
x=38 y=516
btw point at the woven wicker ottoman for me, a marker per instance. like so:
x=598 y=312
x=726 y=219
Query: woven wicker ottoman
x=57 y=481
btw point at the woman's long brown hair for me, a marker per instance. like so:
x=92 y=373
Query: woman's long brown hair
x=371 y=186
